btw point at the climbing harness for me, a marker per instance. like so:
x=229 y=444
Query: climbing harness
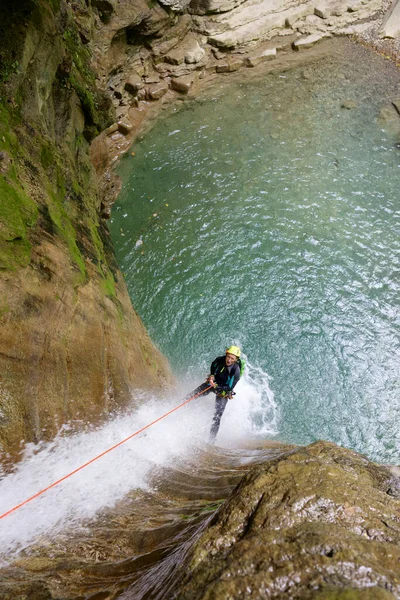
x=89 y=462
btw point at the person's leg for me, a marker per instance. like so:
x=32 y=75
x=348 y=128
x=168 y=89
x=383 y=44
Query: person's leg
x=220 y=405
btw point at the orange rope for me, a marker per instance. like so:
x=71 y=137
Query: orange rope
x=89 y=462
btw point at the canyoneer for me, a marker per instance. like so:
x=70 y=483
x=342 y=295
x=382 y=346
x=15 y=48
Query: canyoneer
x=225 y=372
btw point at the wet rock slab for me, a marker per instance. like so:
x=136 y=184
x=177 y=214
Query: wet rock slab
x=320 y=523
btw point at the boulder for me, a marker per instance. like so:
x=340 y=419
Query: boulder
x=188 y=51
x=204 y=7
x=354 y=5
x=222 y=67
x=298 y=12
x=308 y=41
x=233 y=64
x=324 y=10
x=124 y=127
x=253 y=61
x=175 y=56
x=176 y=5
x=195 y=53
x=153 y=78
x=389 y=120
x=133 y=84
x=320 y=522
x=181 y=84
x=388 y=113
x=391 y=24
x=142 y=94
x=112 y=129
x=157 y=90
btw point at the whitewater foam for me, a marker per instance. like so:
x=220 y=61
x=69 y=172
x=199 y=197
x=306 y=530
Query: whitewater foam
x=104 y=482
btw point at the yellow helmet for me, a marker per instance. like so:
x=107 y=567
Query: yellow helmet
x=233 y=350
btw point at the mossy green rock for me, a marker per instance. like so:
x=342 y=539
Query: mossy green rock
x=320 y=523
x=72 y=347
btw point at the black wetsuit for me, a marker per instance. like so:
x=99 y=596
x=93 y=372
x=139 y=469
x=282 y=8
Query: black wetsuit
x=226 y=378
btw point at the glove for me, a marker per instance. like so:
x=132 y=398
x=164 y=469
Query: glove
x=223 y=393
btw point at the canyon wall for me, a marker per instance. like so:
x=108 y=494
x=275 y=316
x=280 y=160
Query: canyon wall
x=78 y=78
x=71 y=346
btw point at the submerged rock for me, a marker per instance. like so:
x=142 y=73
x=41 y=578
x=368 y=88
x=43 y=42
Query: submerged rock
x=253 y=61
x=318 y=523
x=349 y=104
x=307 y=42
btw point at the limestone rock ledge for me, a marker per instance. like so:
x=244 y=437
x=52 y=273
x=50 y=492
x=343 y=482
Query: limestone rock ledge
x=321 y=523
x=149 y=54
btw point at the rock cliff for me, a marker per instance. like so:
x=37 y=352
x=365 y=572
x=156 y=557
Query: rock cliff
x=321 y=523
x=78 y=77
x=71 y=346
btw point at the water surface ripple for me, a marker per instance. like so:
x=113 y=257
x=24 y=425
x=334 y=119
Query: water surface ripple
x=268 y=215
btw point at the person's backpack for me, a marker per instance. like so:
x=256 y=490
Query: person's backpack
x=242 y=365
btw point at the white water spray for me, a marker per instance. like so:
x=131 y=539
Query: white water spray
x=252 y=413
x=128 y=467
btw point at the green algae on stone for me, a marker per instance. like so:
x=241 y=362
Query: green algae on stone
x=66 y=230
x=18 y=213
x=64 y=308
x=108 y=281
x=46 y=156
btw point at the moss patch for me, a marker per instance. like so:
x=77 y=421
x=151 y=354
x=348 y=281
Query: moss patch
x=108 y=285
x=18 y=213
x=66 y=230
x=60 y=177
x=55 y=5
x=46 y=156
